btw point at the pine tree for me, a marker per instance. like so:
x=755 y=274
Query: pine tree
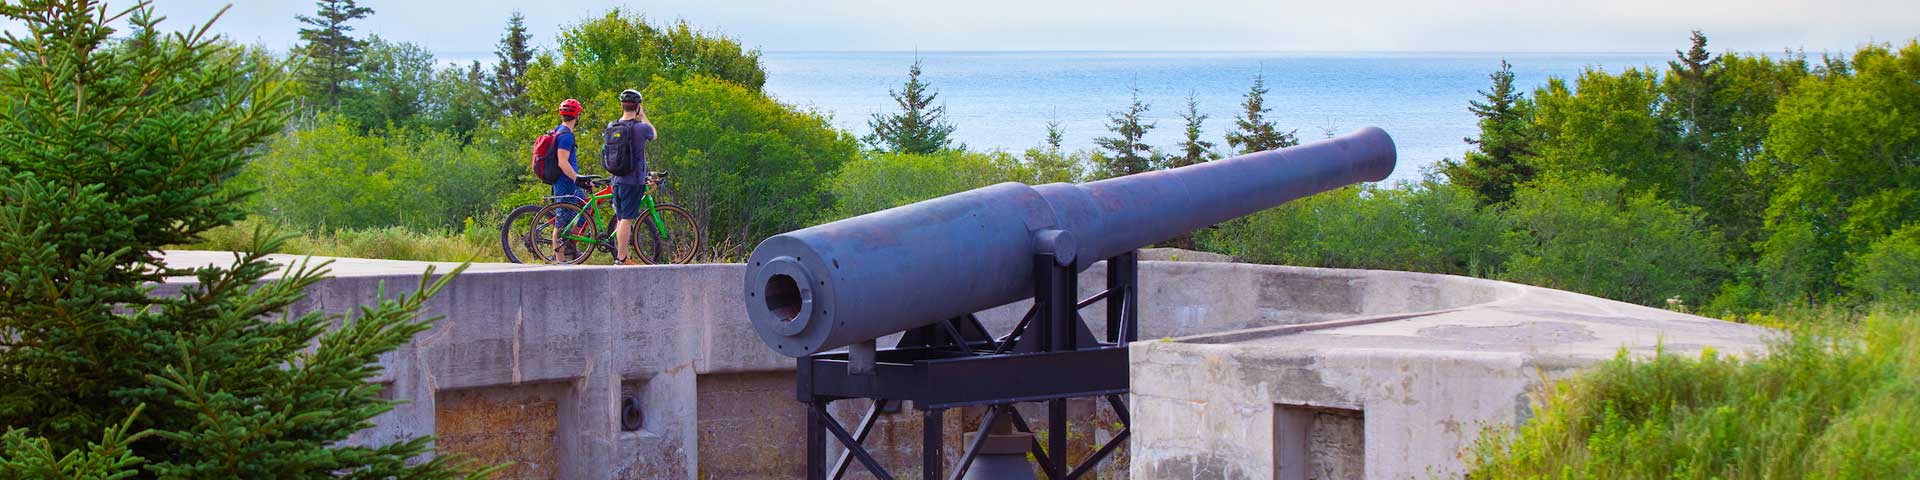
x=333 y=54
x=1054 y=136
x=509 y=86
x=919 y=128
x=1498 y=164
x=1691 y=90
x=1127 y=153
x=1193 y=150
x=97 y=378
x=1253 y=132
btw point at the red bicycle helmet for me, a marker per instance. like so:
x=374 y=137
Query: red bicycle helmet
x=570 y=108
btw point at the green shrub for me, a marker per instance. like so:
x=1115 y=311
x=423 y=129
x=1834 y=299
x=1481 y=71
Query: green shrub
x=1890 y=269
x=330 y=175
x=1833 y=400
x=878 y=181
x=1425 y=227
x=1588 y=233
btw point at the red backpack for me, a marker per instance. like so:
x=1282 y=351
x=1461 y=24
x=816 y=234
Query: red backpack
x=546 y=157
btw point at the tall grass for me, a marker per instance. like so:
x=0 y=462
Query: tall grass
x=1837 y=398
x=475 y=243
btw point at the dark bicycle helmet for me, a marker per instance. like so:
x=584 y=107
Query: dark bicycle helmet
x=630 y=96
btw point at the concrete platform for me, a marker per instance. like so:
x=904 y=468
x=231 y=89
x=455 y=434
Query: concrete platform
x=1250 y=371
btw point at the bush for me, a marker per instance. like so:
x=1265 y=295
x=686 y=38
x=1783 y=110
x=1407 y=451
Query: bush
x=1425 y=227
x=1588 y=233
x=879 y=181
x=329 y=175
x=746 y=165
x=1890 y=269
x=1831 y=401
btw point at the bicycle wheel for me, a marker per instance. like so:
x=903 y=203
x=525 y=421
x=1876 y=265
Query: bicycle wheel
x=514 y=240
x=547 y=225
x=678 y=242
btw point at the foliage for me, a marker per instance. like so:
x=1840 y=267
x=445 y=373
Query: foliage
x=1845 y=169
x=748 y=166
x=1049 y=164
x=329 y=175
x=1592 y=234
x=598 y=58
x=128 y=138
x=1127 y=152
x=1424 y=227
x=478 y=241
x=920 y=128
x=333 y=54
x=1253 y=132
x=1497 y=164
x=508 y=86
x=1825 y=403
x=1192 y=149
x=881 y=180
x=1607 y=124
x=1890 y=268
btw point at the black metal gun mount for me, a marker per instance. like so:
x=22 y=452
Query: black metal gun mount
x=924 y=270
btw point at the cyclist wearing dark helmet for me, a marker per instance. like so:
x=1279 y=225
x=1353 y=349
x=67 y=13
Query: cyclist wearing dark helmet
x=629 y=187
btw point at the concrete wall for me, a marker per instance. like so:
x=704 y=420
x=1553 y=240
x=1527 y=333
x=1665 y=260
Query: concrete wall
x=529 y=364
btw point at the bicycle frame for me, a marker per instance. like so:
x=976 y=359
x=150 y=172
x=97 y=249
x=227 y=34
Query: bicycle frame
x=594 y=209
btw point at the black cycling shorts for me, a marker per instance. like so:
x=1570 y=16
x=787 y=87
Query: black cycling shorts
x=626 y=200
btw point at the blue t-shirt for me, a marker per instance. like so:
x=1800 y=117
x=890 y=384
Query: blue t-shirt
x=564 y=141
x=642 y=133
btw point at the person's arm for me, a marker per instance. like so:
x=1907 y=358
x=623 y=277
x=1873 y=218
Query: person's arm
x=650 y=126
x=566 y=164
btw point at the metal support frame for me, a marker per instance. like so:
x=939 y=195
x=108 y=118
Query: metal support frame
x=1049 y=357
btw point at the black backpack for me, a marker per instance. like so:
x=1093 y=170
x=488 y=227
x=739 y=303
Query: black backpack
x=546 y=157
x=618 y=155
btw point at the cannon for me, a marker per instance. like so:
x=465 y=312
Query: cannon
x=925 y=268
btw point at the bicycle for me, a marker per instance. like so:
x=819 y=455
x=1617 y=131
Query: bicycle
x=513 y=232
x=664 y=233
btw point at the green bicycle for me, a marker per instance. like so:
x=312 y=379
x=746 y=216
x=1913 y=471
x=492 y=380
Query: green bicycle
x=568 y=233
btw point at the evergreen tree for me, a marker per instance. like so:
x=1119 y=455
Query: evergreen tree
x=1127 y=153
x=333 y=54
x=1493 y=169
x=1054 y=136
x=919 y=128
x=1691 y=87
x=509 y=85
x=1193 y=150
x=98 y=379
x=1253 y=132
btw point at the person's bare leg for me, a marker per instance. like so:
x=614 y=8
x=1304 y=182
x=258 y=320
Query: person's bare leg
x=622 y=238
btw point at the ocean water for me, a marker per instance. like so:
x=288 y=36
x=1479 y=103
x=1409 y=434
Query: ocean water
x=1004 y=100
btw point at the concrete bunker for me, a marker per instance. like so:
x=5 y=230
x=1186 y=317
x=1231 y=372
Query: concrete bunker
x=1388 y=374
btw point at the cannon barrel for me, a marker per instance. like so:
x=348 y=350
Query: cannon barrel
x=866 y=277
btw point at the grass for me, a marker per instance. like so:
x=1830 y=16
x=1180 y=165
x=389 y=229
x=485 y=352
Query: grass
x=1837 y=398
x=476 y=243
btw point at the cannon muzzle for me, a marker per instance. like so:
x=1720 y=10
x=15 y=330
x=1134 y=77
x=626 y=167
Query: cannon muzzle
x=866 y=277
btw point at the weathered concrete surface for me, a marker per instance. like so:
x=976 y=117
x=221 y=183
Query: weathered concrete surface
x=1420 y=360
x=1427 y=362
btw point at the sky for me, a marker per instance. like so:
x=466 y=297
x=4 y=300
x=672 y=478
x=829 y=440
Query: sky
x=473 y=26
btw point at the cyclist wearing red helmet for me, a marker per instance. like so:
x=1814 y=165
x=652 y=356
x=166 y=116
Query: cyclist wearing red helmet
x=567 y=184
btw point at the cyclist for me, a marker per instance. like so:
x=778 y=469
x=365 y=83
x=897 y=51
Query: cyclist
x=568 y=185
x=628 y=188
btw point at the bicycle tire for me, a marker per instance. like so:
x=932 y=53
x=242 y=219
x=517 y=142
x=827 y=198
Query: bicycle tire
x=543 y=227
x=683 y=242
x=514 y=230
